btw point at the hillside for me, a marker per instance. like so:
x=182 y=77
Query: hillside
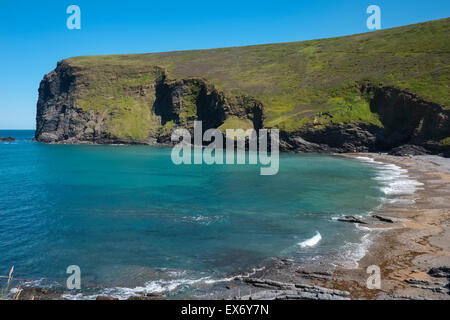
x=369 y=91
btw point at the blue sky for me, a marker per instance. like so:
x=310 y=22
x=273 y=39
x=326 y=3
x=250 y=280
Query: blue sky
x=34 y=36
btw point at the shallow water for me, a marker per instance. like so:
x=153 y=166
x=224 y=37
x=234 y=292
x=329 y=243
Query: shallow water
x=129 y=217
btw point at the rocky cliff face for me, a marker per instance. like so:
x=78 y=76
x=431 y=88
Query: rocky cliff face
x=410 y=125
x=58 y=118
x=365 y=92
x=173 y=103
x=170 y=104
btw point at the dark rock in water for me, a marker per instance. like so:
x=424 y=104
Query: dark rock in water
x=351 y=219
x=140 y=298
x=440 y=272
x=408 y=150
x=7 y=139
x=383 y=219
x=102 y=298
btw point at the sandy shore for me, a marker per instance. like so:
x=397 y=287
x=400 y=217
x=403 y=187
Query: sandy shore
x=416 y=242
x=411 y=238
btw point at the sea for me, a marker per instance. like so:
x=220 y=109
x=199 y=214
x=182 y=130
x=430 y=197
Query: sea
x=135 y=223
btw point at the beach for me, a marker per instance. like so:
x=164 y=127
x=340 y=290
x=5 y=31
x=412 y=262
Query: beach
x=410 y=245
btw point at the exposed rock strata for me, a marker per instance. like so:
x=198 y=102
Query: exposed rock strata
x=411 y=125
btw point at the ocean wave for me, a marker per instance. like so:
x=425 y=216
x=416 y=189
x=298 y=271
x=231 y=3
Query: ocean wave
x=150 y=287
x=205 y=220
x=394 y=180
x=353 y=252
x=312 y=241
x=158 y=286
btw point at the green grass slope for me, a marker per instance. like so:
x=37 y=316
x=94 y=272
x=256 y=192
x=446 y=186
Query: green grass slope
x=297 y=82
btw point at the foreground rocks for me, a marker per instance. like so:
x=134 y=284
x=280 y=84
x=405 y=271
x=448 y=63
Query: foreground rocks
x=351 y=219
x=288 y=291
x=440 y=272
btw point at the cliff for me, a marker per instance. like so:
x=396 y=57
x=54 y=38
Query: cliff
x=368 y=92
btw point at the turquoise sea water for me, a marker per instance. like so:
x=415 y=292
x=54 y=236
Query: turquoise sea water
x=129 y=217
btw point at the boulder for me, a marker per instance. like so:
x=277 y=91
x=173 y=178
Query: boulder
x=7 y=139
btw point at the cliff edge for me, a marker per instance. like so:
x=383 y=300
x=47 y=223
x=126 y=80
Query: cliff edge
x=378 y=91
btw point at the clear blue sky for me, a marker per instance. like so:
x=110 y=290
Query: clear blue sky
x=34 y=36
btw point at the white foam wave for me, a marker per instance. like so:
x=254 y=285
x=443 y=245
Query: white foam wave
x=202 y=219
x=353 y=252
x=394 y=180
x=157 y=286
x=312 y=241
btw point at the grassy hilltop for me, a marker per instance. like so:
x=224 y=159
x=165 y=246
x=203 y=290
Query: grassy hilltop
x=298 y=83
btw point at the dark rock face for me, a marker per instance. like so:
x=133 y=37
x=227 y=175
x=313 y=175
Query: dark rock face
x=351 y=219
x=60 y=120
x=339 y=138
x=7 y=139
x=411 y=125
x=408 y=119
x=408 y=149
x=211 y=106
x=275 y=290
x=170 y=96
x=440 y=272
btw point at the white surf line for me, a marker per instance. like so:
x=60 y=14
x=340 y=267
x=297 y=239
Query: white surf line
x=312 y=241
x=156 y=286
x=395 y=181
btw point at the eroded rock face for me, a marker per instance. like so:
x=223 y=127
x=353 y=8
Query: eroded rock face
x=179 y=101
x=407 y=118
x=58 y=118
x=350 y=137
x=410 y=124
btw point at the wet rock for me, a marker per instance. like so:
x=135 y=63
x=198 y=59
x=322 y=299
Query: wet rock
x=351 y=219
x=145 y=298
x=154 y=294
x=103 y=298
x=289 y=291
x=7 y=139
x=407 y=297
x=321 y=276
x=436 y=287
x=440 y=272
x=383 y=219
x=271 y=284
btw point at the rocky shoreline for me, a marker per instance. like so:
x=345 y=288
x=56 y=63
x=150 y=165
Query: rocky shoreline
x=408 y=124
